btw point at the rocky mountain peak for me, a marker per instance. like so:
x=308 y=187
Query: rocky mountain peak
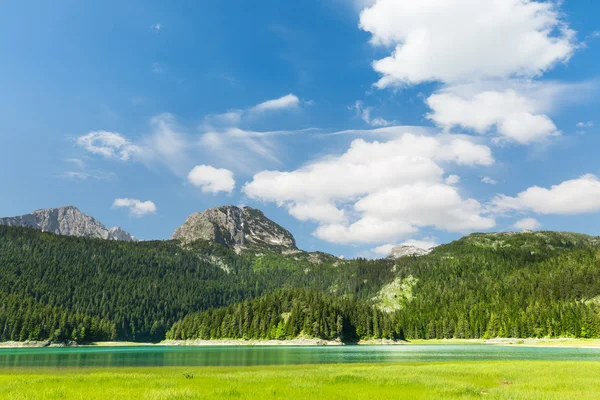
x=235 y=227
x=407 y=251
x=68 y=221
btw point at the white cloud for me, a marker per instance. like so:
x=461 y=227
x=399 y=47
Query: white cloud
x=282 y=103
x=108 y=145
x=211 y=179
x=393 y=187
x=489 y=181
x=513 y=115
x=574 y=196
x=463 y=40
x=167 y=144
x=425 y=244
x=365 y=114
x=317 y=212
x=527 y=224
x=422 y=204
x=82 y=175
x=136 y=207
x=156 y=27
x=221 y=140
x=587 y=124
x=365 y=230
x=452 y=179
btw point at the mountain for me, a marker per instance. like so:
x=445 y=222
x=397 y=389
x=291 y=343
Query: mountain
x=485 y=285
x=407 y=251
x=68 y=221
x=236 y=228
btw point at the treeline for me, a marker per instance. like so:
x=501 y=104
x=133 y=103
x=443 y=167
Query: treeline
x=289 y=314
x=26 y=320
x=528 y=285
x=143 y=288
x=483 y=286
x=520 y=285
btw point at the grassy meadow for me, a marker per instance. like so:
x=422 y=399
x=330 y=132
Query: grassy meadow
x=456 y=380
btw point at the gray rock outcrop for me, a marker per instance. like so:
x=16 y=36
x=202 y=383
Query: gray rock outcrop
x=408 y=251
x=68 y=221
x=235 y=227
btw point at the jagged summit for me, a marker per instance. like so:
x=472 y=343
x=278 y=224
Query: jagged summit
x=235 y=227
x=68 y=221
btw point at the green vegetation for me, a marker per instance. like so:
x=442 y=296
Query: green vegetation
x=288 y=314
x=68 y=288
x=472 y=380
x=543 y=284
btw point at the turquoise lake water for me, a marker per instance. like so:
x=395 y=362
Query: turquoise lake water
x=152 y=356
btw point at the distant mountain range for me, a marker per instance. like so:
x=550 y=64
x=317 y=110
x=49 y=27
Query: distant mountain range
x=68 y=221
x=238 y=228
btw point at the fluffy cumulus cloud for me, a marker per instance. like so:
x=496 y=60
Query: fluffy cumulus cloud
x=211 y=179
x=496 y=47
x=390 y=189
x=460 y=40
x=527 y=224
x=513 y=116
x=108 y=145
x=136 y=207
x=576 y=196
x=452 y=179
x=317 y=212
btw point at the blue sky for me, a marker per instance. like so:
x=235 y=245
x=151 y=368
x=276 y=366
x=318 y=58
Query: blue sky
x=354 y=124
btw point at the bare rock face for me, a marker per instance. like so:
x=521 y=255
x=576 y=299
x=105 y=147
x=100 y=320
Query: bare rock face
x=235 y=227
x=68 y=221
x=407 y=251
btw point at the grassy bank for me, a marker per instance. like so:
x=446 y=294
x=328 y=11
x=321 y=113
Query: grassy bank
x=490 y=380
x=554 y=342
x=549 y=342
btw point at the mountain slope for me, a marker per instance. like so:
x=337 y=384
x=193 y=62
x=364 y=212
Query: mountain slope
x=542 y=284
x=68 y=221
x=236 y=228
x=142 y=288
x=483 y=285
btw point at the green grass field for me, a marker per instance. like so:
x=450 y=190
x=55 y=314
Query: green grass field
x=469 y=380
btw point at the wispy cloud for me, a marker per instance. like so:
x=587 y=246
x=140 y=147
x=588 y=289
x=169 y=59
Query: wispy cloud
x=365 y=114
x=286 y=102
x=220 y=139
x=489 y=181
x=108 y=145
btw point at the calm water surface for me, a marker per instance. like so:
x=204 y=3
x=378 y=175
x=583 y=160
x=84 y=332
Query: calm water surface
x=275 y=355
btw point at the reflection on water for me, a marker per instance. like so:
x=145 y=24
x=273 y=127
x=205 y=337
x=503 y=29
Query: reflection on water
x=275 y=355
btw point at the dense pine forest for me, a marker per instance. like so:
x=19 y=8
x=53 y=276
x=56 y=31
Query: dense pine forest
x=141 y=289
x=542 y=284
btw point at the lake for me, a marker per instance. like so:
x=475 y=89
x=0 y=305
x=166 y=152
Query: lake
x=154 y=356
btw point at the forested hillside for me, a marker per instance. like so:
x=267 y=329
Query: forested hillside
x=484 y=285
x=143 y=288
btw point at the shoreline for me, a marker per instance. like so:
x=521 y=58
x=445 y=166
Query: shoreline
x=547 y=342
